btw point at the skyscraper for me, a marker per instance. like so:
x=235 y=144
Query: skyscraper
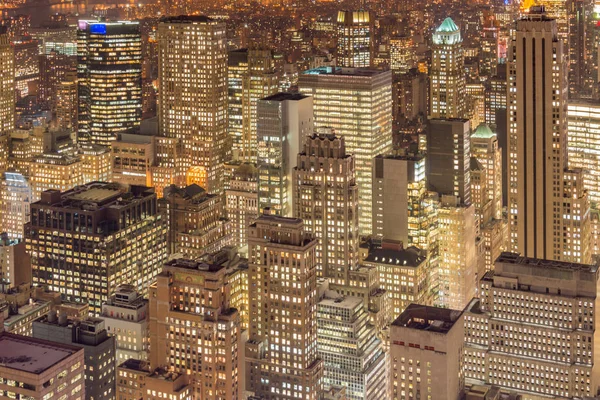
x=357 y=104
x=193 y=328
x=103 y=236
x=449 y=158
x=584 y=138
x=355 y=34
x=7 y=94
x=427 y=354
x=281 y=356
x=579 y=13
x=284 y=121
x=109 y=71
x=498 y=330
x=326 y=199
x=484 y=147
x=193 y=94
x=458 y=264
x=352 y=354
x=547 y=206
x=447 y=73
x=7 y=85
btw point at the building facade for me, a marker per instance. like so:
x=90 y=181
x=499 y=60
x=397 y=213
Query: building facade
x=326 y=199
x=87 y=241
x=553 y=314
x=342 y=97
x=193 y=329
x=284 y=122
x=109 y=73
x=281 y=357
x=447 y=73
x=192 y=75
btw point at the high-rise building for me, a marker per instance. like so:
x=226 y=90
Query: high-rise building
x=237 y=72
x=242 y=203
x=495 y=98
x=548 y=208
x=326 y=199
x=53 y=69
x=7 y=85
x=353 y=356
x=562 y=336
x=281 y=357
x=404 y=274
x=579 y=13
x=15 y=197
x=449 y=158
x=484 y=147
x=135 y=380
x=411 y=94
x=489 y=46
x=399 y=194
x=447 y=73
x=15 y=266
x=458 y=260
x=192 y=91
x=54 y=171
x=261 y=81
x=196 y=221
x=342 y=98
x=584 y=137
x=27 y=65
x=59 y=374
x=98 y=348
x=7 y=94
x=87 y=241
x=66 y=102
x=355 y=38
x=426 y=354
x=402 y=54
x=284 y=121
x=109 y=73
x=96 y=162
x=194 y=330
x=126 y=318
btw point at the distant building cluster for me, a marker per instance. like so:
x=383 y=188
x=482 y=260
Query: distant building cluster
x=317 y=201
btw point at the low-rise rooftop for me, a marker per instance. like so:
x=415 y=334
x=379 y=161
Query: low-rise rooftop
x=31 y=355
x=426 y=318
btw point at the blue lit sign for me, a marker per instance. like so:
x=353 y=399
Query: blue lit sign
x=98 y=29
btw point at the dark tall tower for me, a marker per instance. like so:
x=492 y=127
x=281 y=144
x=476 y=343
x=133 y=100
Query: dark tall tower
x=110 y=79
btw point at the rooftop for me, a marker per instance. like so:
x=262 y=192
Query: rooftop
x=483 y=131
x=31 y=355
x=136 y=365
x=283 y=96
x=426 y=318
x=349 y=302
x=516 y=259
x=187 y=19
x=93 y=195
x=186 y=263
x=343 y=71
x=447 y=26
x=410 y=257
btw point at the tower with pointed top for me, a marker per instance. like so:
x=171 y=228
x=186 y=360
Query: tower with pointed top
x=447 y=76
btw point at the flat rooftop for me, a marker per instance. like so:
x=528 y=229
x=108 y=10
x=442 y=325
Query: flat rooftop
x=31 y=355
x=410 y=257
x=283 y=96
x=517 y=259
x=341 y=302
x=426 y=318
x=343 y=71
x=97 y=194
